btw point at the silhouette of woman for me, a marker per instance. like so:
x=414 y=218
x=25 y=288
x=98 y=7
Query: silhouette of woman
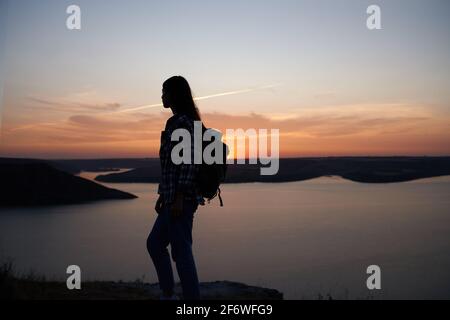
x=178 y=198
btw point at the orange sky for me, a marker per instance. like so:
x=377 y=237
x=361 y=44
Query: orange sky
x=392 y=129
x=315 y=72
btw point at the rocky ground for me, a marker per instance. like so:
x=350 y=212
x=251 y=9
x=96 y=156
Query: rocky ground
x=24 y=289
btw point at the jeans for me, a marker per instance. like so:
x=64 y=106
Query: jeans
x=178 y=233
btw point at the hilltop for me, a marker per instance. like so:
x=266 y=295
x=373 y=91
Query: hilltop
x=27 y=182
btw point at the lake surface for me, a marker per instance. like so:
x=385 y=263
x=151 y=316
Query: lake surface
x=302 y=238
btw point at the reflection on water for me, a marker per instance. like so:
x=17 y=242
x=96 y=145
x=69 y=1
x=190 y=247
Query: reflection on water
x=302 y=238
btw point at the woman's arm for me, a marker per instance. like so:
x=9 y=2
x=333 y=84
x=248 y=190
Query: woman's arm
x=187 y=173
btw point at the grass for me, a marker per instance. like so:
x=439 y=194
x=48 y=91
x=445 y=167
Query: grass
x=34 y=287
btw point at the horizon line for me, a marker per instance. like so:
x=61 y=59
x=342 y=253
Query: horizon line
x=288 y=157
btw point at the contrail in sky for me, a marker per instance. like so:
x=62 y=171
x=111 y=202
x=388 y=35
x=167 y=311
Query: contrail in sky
x=149 y=106
x=228 y=93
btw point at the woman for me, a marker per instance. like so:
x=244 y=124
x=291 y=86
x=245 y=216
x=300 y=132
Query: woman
x=178 y=198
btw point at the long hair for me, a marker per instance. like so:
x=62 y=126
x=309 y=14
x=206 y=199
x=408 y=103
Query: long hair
x=181 y=96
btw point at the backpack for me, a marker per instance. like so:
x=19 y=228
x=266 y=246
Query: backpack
x=210 y=176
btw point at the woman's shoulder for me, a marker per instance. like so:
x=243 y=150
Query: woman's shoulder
x=180 y=121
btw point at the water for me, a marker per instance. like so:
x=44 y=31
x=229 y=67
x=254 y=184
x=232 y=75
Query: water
x=302 y=238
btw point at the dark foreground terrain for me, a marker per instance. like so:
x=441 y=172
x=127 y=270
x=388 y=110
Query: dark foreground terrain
x=97 y=290
x=35 y=288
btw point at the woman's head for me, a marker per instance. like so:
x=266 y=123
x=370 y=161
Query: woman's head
x=177 y=95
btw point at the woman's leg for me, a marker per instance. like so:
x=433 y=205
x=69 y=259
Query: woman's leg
x=157 y=243
x=180 y=234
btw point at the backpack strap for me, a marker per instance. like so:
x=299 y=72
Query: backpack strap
x=220 y=198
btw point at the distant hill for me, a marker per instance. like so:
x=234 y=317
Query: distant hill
x=360 y=169
x=32 y=182
x=94 y=165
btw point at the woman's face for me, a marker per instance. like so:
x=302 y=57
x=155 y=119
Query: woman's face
x=166 y=100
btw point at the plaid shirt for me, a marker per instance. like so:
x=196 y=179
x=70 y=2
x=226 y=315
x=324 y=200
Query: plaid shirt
x=182 y=177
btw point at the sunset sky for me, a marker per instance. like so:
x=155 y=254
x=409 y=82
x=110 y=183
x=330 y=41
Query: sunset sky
x=311 y=69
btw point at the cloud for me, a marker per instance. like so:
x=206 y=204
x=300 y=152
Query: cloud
x=70 y=106
x=310 y=125
x=316 y=125
x=334 y=130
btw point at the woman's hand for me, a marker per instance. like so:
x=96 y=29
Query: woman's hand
x=177 y=206
x=159 y=205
